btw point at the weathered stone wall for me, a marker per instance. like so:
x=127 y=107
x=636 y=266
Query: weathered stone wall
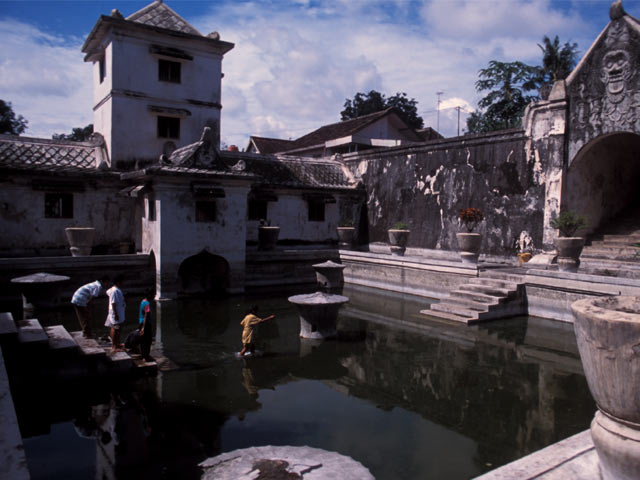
x=426 y=186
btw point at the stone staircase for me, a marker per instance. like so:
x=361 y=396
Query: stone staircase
x=55 y=351
x=618 y=240
x=490 y=296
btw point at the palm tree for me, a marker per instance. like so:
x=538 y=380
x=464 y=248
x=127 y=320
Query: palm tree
x=557 y=62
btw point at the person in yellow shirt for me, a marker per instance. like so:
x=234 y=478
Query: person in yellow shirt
x=249 y=324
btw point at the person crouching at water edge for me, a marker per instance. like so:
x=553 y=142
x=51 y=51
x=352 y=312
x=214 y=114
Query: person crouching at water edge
x=249 y=324
x=82 y=299
x=115 y=318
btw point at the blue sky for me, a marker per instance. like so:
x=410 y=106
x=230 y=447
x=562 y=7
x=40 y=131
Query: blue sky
x=295 y=62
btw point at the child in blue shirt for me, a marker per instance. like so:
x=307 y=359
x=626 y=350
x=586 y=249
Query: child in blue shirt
x=145 y=326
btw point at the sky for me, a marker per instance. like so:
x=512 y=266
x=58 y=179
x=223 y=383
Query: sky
x=296 y=62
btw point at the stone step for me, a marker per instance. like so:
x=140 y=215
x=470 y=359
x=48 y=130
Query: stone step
x=60 y=339
x=120 y=361
x=487 y=290
x=446 y=316
x=30 y=332
x=477 y=297
x=88 y=346
x=608 y=248
x=614 y=240
x=455 y=309
x=495 y=282
x=496 y=275
x=470 y=304
x=620 y=254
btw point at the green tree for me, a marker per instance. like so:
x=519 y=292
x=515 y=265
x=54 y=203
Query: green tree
x=77 y=134
x=557 y=62
x=508 y=86
x=374 y=101
x=9 y=122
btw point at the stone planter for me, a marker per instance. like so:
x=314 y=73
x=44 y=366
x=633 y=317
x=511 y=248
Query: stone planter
x=80 y=240
x=345 y=237
x=267 y=237
x=398 y=240
x=607 y=332
x=469 y=245
x=569 y=250
x=329 y=275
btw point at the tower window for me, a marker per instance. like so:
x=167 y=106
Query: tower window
x=102 y=66
x=58 y=205
x=168 y=127
x=169 y=71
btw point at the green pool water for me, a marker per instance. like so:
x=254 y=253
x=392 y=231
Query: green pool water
x=437 y=401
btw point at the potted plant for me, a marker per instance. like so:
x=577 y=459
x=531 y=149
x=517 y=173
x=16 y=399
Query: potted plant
x=469 y=242
x=569 y=247
x=398 y=237
x=607 y=331
x=346 y=232
x=80 y=240
x=267 y=235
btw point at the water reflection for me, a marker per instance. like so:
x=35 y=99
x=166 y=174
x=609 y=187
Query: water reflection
x=407 y=398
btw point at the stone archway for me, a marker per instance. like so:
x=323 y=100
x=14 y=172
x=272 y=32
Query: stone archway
x=603 y=178
x=203 y=274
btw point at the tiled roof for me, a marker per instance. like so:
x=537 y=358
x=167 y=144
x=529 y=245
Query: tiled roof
x=295 y=172
x=337 y=130
x=270 y=145
x=39 y=153
x=158 y=14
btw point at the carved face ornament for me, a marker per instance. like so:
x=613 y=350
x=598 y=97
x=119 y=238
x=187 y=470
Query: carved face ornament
x=616 y=71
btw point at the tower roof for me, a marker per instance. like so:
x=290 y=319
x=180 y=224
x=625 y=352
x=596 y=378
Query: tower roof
x=159 y=14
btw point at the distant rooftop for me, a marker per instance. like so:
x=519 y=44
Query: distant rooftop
x=159 y=14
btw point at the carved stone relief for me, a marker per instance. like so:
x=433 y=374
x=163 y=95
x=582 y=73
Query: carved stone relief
x=605 y=98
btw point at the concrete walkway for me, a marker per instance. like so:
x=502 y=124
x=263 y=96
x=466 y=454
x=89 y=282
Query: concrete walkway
x=572 y=458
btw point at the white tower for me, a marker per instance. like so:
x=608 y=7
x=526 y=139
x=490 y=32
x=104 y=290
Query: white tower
x=157 y=83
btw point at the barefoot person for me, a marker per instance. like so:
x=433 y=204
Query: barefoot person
x=145 y=326
x=81 y=302
x=115 y=318
x=249 y=324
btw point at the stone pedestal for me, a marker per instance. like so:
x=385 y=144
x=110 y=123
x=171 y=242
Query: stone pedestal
x=39 y=290
x=267 y=237
x=608 y=333
x=318 y=314
x=329 y=275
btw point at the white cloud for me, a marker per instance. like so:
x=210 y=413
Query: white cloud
x=45 y=79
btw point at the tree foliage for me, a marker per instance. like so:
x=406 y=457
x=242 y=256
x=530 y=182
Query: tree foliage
x=79 y=134
x=9 y=122
x=512 y=86
x=374 y=101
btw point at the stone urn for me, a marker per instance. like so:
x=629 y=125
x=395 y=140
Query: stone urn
x=329 y=275
x=469 y=244
x=569 y=250
x=267 y=237
x=80 y=240
x=608 y=336
x=398 y=240
x=345 y=237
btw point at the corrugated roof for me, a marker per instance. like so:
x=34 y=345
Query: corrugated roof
x=159 y=14
x=39 y=153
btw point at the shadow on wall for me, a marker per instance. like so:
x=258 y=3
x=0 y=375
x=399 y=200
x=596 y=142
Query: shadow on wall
x=204 y=274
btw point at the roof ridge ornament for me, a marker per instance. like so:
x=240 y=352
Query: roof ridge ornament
x=616 y=11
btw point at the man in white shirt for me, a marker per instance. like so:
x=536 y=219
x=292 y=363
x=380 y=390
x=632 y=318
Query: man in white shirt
x=115 y=318
x=82 y=299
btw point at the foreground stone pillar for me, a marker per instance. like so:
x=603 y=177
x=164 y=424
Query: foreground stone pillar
x=318 y=314
x=39 y=290
x=608 y=335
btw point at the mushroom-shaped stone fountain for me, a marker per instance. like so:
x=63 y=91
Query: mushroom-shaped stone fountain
x=318 y=314
x=608 y=336
x=39 y=290
x=329 y=275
